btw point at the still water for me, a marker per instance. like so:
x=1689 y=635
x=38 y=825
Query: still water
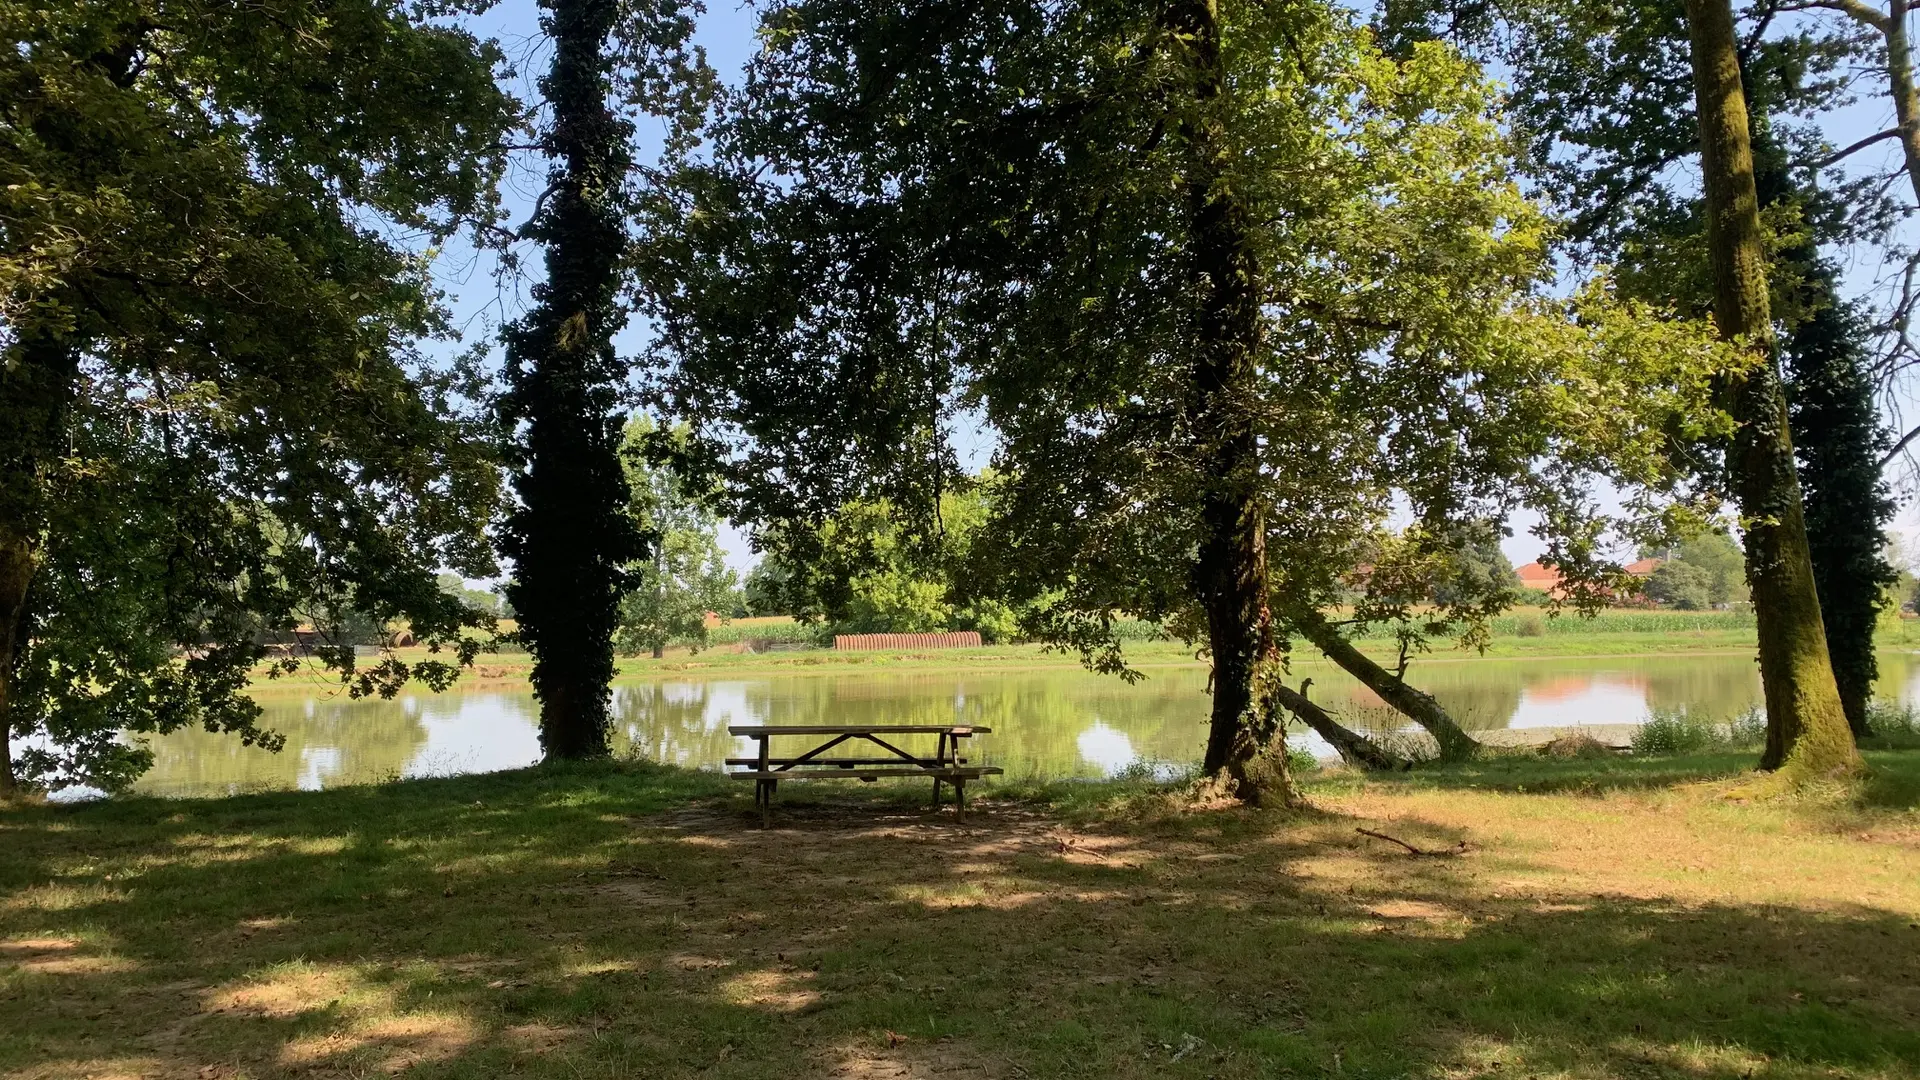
x=1045 y=723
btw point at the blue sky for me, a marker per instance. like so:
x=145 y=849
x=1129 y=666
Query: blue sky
x=481 y=300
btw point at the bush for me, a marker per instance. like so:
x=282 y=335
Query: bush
x=1530 y=625
x=1675 y=733
x=1892 y=723
x=1748 y=729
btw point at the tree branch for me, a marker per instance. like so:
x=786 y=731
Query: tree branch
x=1830 y=159
x=1853 y=9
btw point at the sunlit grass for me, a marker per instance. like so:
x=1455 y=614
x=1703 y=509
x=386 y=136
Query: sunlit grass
x=1609 y=920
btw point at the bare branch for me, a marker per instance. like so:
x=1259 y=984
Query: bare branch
x=1830 y=159
x=1899 y=447
x=1853 y=9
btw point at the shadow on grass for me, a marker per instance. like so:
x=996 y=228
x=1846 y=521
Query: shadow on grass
x=631 y=921
x=1893 y=779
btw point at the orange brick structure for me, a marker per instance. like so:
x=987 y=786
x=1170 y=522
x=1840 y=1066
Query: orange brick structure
x=959 y=639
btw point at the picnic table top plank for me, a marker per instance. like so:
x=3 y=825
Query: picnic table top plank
x=837 y=762
x=965 y=772
x=758 y=730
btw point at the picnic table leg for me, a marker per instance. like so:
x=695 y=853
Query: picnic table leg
x=763 y=789
x=959 y=798
x=936 y=793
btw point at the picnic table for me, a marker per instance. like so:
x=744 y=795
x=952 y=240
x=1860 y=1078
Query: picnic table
x=948 y=765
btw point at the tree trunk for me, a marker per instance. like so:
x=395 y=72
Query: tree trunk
x=1354 y=748
x=1838 y=438
x=1455 y=744
x=1806 y=727
x=1244 y=740
x=1836 y=429
x=36 y=391
x=16 y=574
x=1906 y=101
x=659 y=651
x=572 y=536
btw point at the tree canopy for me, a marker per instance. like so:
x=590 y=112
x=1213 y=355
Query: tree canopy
x=1230 y=286
x=215 y=420
x=686 y=575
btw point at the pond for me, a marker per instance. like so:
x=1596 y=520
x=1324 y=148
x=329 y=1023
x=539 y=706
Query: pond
x=1046 y=723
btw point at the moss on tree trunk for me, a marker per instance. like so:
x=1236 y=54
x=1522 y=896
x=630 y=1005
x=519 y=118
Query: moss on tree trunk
x=1806 y=727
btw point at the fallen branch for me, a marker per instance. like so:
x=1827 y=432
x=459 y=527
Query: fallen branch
x=1457 y=849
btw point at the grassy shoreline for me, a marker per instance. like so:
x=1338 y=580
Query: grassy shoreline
x=1616 y=920
x=508 y=671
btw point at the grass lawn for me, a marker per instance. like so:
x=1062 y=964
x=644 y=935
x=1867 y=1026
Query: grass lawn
x=1607 y=919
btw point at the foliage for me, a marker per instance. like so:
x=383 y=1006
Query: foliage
x=766 y=591
x=1680 y=584
x=841 y=279
x=687 y=575
x=1839 y=437
x=1893 y=724
x=865 y=570
x=1477 y=571
x=1675 y=731
x=1715 y=552
x=570 y=535
x=478 y=599
x=1604 y=89
x=214 y=421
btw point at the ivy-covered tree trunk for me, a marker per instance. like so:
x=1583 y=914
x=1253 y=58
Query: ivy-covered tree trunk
x=571 y=534
x=1839 y=439
x=1410 y=701
x=1806 y=728
x=1230 y=576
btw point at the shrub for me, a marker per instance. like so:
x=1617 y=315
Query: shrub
x=1675 y=733
x=1893 y=723
x=1748 y=729
x=1530 y=625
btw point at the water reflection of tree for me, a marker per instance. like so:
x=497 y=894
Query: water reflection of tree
x=328 y=741
x=679 y=723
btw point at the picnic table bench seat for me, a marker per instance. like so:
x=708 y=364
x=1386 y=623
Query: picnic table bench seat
x=946 y=766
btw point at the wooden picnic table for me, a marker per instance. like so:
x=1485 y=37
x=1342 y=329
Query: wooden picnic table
x=947 y=765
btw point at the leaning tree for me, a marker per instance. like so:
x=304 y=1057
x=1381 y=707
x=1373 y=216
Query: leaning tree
x=1233 y=290
x=214 y=421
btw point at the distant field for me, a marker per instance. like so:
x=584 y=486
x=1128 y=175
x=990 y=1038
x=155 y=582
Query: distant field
x=786 y=647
